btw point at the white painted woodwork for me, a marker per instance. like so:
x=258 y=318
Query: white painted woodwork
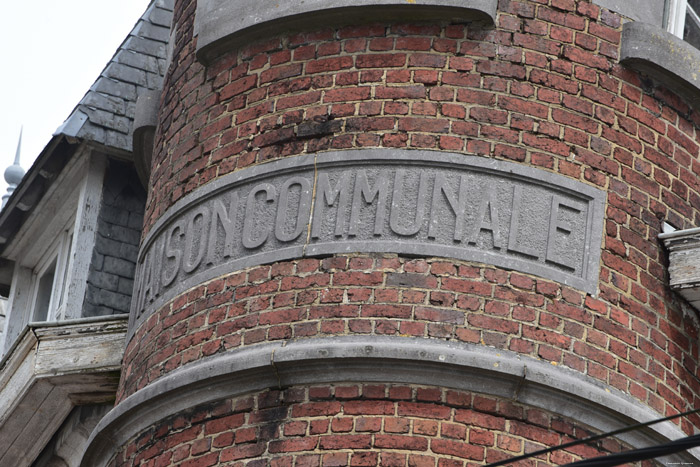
x=18 y=306
x=52 y=369
x=684 y=263
x=676 y=17
x=88 y=209
x=39 y=231
x=74 y=203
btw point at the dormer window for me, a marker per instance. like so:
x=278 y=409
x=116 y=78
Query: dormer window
x=683 y=20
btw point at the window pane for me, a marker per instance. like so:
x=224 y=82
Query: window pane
x=691 y=32
x=43 y=294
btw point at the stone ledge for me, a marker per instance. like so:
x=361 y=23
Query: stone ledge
x=381 y=360
x=414 y=219
x=221 y=27
x=660 y=54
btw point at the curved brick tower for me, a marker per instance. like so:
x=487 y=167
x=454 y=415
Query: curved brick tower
x=416 y=233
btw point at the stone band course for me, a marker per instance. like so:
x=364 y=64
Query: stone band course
x=387 y=201
x=474 y=368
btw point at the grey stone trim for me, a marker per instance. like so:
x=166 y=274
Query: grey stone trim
x=426 y=203
x=660 y=54
x=222 y=27
x=647 y=11
x=382 y=360
x=145 y=123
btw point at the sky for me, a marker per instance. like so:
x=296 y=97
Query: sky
x=51 y=51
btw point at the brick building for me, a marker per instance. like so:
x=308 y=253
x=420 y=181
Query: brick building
x=428 y=233
x=68 y=248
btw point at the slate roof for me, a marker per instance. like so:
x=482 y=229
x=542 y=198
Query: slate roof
x=106 y=112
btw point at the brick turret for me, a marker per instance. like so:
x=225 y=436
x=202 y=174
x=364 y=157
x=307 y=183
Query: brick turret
x=406 y=233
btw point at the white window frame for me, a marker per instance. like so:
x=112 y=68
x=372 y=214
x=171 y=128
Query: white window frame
x=677 y=10
x=59 y=251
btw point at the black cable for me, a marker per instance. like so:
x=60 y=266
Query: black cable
x=642 y=454
x=590 y=439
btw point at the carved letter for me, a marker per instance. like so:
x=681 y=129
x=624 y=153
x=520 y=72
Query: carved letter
x=302 y=217
x=487 y=202
x=140 y=279
x=457 y=205
x=228 y=222
x=397 y=213
x=152 y=265
x=363 y=190
x=514 y=221
x=190 y=263
x=324 y=191
x=250 y=210
x=172 y=253
x=146 y=278
x=556 y=225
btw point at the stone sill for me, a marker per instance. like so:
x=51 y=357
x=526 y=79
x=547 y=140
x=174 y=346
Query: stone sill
x=221 y=27
x=660 y=54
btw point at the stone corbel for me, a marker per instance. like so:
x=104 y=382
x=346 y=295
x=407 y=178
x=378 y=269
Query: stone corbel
x=145 y=122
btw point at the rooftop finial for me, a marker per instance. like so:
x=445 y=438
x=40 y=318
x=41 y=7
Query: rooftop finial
x=19 y=146
x=14 y=173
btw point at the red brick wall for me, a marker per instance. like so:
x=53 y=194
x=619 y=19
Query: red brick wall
x=542 y=88
x=358 y=425
x=448 y=300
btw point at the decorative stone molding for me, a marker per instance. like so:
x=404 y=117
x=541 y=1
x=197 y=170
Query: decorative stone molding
x=411 y=202
x=43 y=377
x=651 y=50
x=378 y=359
x=145 y=123
x=684 y=263
x=221 y=28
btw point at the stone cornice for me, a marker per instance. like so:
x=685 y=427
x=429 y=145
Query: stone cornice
x=221 y=27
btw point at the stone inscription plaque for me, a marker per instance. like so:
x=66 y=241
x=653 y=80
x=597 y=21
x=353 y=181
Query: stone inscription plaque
x=422 y=203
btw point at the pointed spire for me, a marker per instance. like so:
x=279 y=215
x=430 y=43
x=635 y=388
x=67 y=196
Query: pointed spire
x=14 y=173
x=19 y=145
